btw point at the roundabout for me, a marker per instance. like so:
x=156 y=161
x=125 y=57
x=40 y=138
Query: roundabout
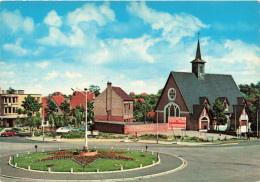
x=167 y=164
x=224 y=162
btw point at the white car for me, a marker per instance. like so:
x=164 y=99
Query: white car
x=63 y=130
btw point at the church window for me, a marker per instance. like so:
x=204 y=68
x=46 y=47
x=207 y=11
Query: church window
x=172 y=110
x=172 y=94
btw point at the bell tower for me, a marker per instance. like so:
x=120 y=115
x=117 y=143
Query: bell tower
x=198 y=65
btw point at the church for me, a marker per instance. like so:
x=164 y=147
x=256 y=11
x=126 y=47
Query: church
x=192 y=95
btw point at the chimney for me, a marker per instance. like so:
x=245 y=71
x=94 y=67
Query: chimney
x=109 y=101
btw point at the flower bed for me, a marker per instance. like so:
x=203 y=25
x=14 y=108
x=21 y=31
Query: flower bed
x=85 y=160
x=105 y=160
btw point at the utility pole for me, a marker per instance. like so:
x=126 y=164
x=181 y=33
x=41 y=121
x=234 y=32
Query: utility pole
x=235 y=120
x=257 y=129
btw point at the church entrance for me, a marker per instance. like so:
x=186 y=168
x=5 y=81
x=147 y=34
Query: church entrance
x=204 y=123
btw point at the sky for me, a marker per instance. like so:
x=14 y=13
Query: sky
x=50 y=46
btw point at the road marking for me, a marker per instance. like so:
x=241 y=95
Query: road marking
x=229 y=144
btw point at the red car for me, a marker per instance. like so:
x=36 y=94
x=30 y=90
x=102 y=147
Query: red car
x=8 y=133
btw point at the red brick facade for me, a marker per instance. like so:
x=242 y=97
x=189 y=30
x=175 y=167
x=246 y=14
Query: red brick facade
x=131 y=128
x=113 y=104
x=179 y=101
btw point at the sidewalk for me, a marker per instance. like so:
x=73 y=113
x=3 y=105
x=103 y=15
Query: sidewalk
x=120 y=141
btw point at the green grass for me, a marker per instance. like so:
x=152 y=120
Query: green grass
x=65 y=165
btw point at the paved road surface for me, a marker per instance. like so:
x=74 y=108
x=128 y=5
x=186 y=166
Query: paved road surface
x=227 y=162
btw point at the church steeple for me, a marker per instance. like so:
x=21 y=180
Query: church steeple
x=198 y=65
x=198 y=55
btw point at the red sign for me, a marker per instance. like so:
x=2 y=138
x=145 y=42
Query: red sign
x=177 y=122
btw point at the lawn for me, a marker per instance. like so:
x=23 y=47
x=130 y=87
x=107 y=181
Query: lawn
x=106 y=160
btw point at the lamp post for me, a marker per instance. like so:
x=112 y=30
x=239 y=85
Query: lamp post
x=157 y=139
x=86 y=125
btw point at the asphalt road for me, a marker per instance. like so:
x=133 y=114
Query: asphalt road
x=228 y=162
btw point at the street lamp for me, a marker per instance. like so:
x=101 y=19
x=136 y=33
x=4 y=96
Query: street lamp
x=86 y=130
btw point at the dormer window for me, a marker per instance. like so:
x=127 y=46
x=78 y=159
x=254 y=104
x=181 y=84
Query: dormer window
x=226 y=106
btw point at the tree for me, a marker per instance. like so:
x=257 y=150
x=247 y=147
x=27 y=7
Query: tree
x=160 y=92
x=251 y=93
x=31 y=108
x=51 y=111
x=218 y=113
x=95 y=88
x=31 y=105
x=11 y=90
x=143 y=106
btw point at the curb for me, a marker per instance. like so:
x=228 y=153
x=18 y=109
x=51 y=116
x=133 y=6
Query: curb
x=182 y=166
x=119 y=171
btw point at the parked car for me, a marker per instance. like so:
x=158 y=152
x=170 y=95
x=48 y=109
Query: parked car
x=8 y=133
x=63 y=130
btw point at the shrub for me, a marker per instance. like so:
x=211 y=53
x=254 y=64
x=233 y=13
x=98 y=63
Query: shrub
x=73 y=134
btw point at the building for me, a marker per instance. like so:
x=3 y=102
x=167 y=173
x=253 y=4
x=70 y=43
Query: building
x=10 y=101
x=113 y=104
x=192 y=95
x=79 y=98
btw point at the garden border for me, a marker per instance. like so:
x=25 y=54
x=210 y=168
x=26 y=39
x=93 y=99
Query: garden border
x=182 y=166
x=138 y=168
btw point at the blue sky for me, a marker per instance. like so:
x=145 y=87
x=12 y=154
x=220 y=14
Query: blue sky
x=54 y=46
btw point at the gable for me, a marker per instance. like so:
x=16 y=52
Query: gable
x=164 y=99
x=121 y=93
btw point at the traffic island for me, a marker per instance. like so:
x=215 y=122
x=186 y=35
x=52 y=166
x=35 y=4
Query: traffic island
x=168 y=164
x=101 y=160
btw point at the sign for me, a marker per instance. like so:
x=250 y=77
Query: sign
x=177 y=122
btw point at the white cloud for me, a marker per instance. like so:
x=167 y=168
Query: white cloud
x=75 y=38
x=173 y=27
x=16 y=48
x=89 y=12
x=7 y=74
x=15 y=21
x=53 y=19
x=43 y=64
x=121 y=50
x=73 y=75
x=51 y=75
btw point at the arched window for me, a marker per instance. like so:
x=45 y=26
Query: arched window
x=171 y=110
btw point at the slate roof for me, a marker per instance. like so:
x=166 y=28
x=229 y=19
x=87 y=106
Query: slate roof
x=239 y=109
x=212 y=87
x=122 y=94
x=202 y=100
x=197 y=109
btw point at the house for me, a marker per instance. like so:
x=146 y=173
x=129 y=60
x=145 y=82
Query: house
x=79 y=98
x=57 y=98
x=113 y=104
x=10 y=102
x=132 y=93
x=192 y=95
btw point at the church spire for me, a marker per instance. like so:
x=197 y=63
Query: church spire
x=198 y=65
x=198 y=54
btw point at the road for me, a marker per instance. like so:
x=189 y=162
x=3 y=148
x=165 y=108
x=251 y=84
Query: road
x=231 y=162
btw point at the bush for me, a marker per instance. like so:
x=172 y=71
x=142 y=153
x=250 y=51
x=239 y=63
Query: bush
x=16 y=130
x=73 y=134
x=51 y=134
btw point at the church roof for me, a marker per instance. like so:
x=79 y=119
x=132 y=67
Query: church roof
x=212 y=87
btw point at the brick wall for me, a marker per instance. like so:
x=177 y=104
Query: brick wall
x=128 y=129
x=109 y=127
